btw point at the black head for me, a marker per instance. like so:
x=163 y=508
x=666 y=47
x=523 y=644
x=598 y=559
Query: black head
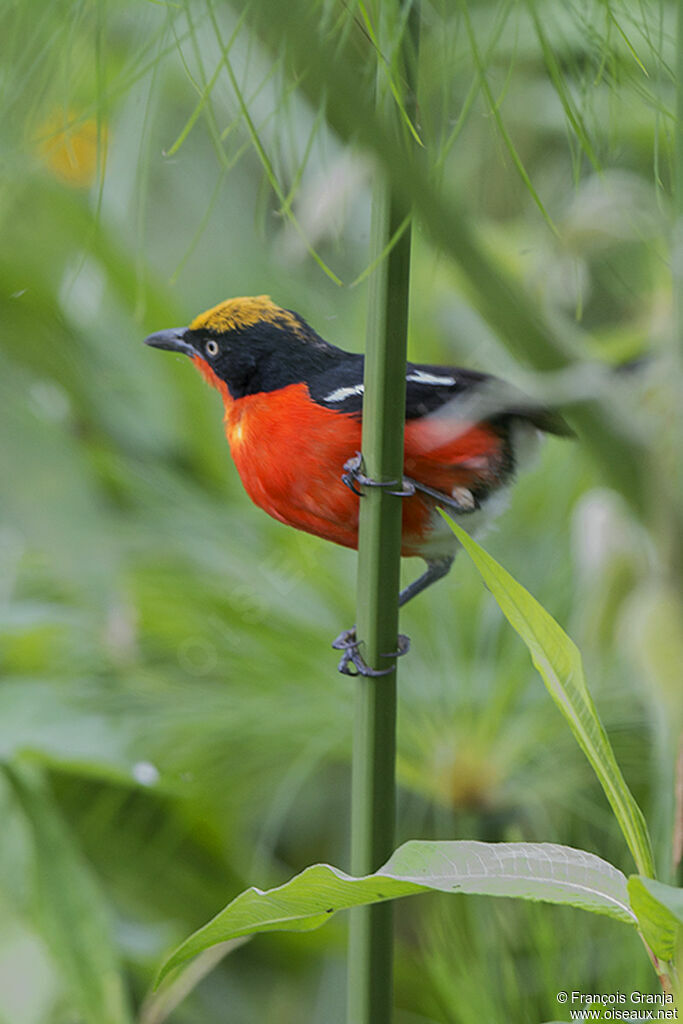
x=251 y=345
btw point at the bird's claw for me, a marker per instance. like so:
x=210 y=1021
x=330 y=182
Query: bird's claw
x=353 y=474
x=349 y=644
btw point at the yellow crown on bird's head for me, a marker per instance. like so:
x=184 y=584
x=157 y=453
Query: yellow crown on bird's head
x=240 y=313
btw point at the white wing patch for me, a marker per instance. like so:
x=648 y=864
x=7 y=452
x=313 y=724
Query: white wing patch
x=341 y=394
x=422 y=377
x=417 y=376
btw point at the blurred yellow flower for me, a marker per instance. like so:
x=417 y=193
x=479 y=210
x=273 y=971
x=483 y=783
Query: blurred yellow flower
x=68 y=147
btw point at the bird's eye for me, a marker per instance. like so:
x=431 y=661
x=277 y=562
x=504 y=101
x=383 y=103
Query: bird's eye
x=211 y=348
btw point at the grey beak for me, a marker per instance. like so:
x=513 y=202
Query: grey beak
x=173 y=340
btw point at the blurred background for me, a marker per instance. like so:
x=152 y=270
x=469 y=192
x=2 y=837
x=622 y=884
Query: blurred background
x=171 y=721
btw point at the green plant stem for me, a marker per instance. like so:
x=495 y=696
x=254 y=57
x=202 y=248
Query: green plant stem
x=373 y=787
x=374 y=751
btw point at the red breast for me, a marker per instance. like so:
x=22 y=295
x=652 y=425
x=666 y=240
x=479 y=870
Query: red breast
x=290 y=452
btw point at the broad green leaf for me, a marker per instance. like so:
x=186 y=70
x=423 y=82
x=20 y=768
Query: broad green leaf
x=531 y=871
x=71 y=910
x=558 y=660
x=659 y=909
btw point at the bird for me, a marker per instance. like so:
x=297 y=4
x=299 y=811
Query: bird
x=293 y=406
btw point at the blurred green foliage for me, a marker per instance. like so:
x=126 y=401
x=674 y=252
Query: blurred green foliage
x=168 y=696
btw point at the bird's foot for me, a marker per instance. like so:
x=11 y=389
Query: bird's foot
x=349 y=644
x=461 y=499
x=353 y=475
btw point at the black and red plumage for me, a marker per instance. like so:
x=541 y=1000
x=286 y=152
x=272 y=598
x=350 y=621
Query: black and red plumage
x=293 y=418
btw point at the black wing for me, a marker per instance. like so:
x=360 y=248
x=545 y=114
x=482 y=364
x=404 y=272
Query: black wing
x=475 y=396
x=467 y=394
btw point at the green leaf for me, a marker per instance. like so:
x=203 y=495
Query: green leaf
x=659 y=909
x=531 y=871
x=71 y=909
x=558 y=660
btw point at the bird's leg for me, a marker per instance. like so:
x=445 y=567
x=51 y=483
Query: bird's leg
x=349 y=643
x=436 y=569
x=461 y=501
x=353 y=474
